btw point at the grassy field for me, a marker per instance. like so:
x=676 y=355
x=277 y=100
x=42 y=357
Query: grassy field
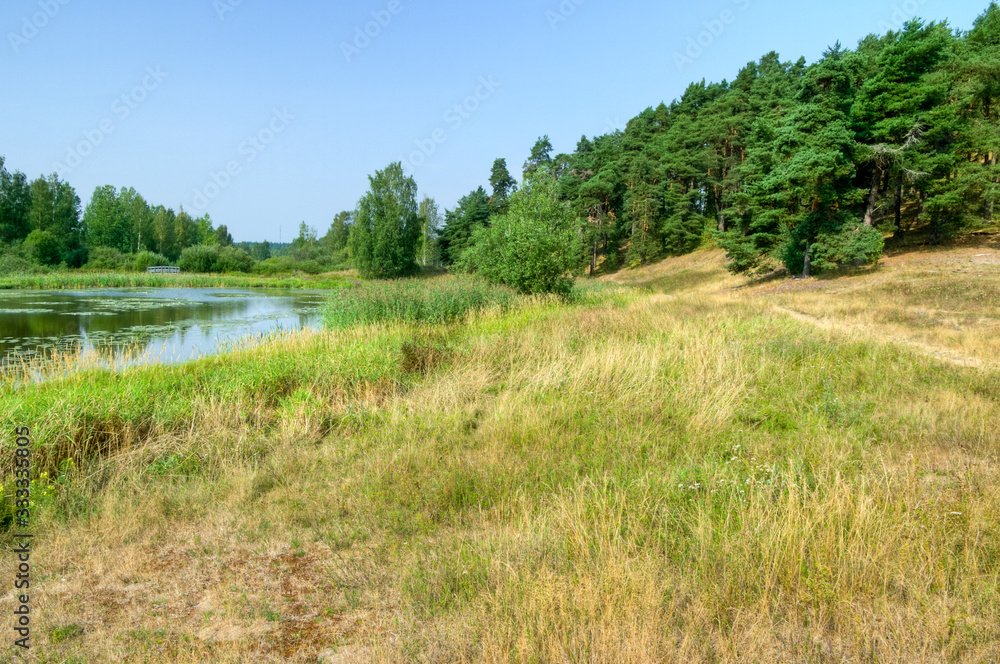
x=684 y=467
x=76 y=280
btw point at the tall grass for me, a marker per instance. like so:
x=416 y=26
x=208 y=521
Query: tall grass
x=434 y=301
x=637 y=478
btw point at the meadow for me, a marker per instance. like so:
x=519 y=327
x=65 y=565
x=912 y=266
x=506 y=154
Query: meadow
x=675 y=465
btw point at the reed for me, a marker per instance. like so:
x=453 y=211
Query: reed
x=75 y=280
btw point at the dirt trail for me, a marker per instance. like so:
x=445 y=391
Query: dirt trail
x=930 y=350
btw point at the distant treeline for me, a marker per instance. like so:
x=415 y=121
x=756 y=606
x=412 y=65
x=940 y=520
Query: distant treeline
x=42 y=226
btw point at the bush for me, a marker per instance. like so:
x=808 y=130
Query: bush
x=415 y=301
x=14 y=261
x=232 y=259
x=286 y=265
x=107 y=258
x=43 y=247
x=860 y=246
x=533 y=246
x=199 y=258
x=146 y=259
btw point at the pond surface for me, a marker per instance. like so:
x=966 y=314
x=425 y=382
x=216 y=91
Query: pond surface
x=149 y=325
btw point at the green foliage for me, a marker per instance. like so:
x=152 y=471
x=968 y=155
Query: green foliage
x=387 y=226
x=107 y=259
x=14 y=260
x=200 y=258
x=540 y=157
x=43 y=247
x=55 y=211
x=147 y=259
x=287 y=265
x=415 y=301
x=533 y=247
x=216 y=258
x=785 y=161
x=429 y=251
x=860 y=245
x=233 y=259
x=503 y=185
x=15 y=202
x=473 y=212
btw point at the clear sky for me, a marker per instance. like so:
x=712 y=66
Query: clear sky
x=264 y=114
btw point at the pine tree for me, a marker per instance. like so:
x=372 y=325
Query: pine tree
x=503 y=185
x=541 y=156
x=473 y=211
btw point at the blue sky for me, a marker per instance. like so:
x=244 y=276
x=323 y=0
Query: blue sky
x=265 y=114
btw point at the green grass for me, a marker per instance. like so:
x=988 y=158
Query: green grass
x=78 y=280
x=626 y=477
x=96 y=413
x=433 y=301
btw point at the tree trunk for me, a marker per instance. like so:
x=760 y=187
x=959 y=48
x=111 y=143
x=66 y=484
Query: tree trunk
x=806 y=268
x=899 y=207
x=988 y=211
x=873 y=196
x=933 y=222
x=718 y=210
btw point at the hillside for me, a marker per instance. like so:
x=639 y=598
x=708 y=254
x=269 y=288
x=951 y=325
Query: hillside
x=690 y=467
x=942 y=301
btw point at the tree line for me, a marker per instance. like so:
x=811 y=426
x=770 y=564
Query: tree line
x=809 y=167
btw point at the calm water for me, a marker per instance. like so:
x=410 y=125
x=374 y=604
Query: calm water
x=167 y=325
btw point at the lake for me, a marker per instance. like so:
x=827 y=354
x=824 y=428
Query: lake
x=165 y=325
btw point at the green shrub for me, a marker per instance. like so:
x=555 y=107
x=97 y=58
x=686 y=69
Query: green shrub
x=532 y=247
x=107 y=258
x=43 y=247
x=232 y=259
x=146 y=259
x=13 y=261
x=199 y=258
x=286 y=265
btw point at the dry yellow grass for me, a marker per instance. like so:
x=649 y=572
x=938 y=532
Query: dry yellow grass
x=680 y=475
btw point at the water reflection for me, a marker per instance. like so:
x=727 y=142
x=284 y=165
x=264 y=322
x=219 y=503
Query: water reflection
x=155 y=325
